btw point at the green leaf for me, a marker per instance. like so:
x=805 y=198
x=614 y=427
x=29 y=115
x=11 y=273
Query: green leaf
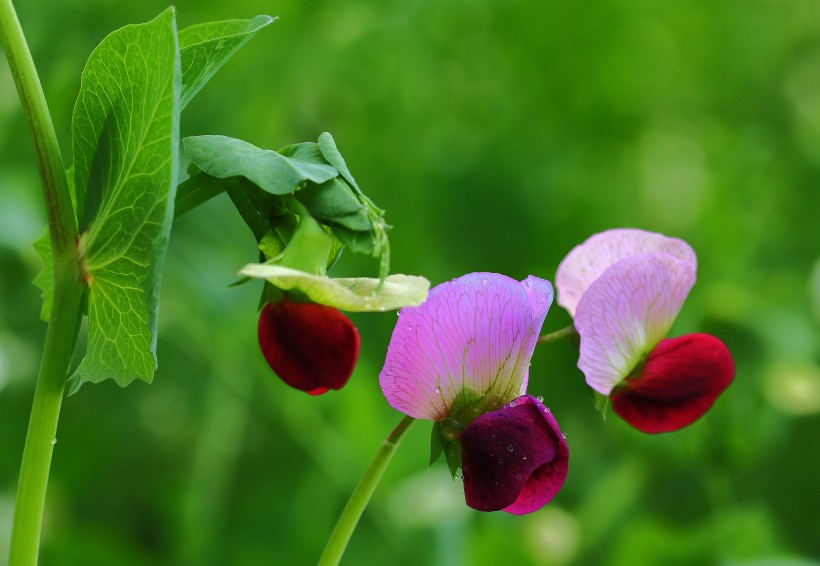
x=204 y=48
x=381 y=243
x=125 y=133
x=333 y=202
x=45 y=279
x=277 y=174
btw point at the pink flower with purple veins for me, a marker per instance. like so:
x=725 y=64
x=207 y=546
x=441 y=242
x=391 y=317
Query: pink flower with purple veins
x=624 y=289
x=461 y=359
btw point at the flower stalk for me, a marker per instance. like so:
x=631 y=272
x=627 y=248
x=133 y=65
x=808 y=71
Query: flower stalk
x=337 y=543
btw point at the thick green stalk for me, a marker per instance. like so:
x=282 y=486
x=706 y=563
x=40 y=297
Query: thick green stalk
x=337 y=543
x=61 y=337
x=66 y=306
x=61 y=221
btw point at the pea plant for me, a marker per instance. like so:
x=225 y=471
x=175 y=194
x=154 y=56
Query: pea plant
x=460 y=353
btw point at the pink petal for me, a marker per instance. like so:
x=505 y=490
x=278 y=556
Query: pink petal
x=681 y=380
x=586 y=262
x=514 y=458
x=476 y=332
x=626 y=312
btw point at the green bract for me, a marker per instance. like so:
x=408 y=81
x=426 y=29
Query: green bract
x=349 y=294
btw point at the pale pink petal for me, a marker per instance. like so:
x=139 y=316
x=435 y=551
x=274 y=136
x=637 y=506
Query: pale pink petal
x=477 y=332
x=586 y=262
x=626 y=312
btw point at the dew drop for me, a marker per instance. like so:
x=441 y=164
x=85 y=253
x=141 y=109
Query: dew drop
x=540 y=398
x=563 y=434
x=547 y=410
x=53 y=441
x=510 y=448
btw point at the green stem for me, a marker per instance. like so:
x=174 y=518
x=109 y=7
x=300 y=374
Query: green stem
x=336 y=544
x=42 y=427
x=61 y=223
x=65 y=316
x=567 y=332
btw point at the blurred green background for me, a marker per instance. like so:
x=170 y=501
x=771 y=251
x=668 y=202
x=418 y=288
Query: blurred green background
x=497 y=135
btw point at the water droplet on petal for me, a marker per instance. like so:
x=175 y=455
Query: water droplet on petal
x=563 y=434
x=510 y=448
x=540 y=398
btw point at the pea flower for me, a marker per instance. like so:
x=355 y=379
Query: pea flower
x=461 y=360
x=310 y=347
x=310 y=344
x=624 y=289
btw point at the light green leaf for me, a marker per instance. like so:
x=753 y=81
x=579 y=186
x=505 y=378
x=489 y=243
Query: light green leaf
x=349 y=294
x=204 y=48
x=225 y=157
x=45 y=279
x=125 y=133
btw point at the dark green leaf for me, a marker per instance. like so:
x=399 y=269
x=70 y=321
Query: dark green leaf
x=204 y=48
x=225 y=157
x=333 y=202
x=125 y=133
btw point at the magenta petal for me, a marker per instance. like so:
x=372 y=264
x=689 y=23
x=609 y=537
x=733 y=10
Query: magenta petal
x=310 y=347
x=474 y=333
x=514 y=459
x=680 y=380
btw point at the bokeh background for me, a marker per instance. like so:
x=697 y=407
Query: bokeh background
x=497 y=135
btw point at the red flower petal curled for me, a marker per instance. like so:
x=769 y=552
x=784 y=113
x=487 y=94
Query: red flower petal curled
x=514 y=459
x=680 y=380
x=310 y=347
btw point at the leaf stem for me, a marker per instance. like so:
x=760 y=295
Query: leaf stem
x=337 y=543
x=567 y=332
x=65 y=317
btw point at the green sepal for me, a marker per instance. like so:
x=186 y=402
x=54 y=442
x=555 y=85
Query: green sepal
x=601 y=403
x=436 y=448
x=309 y=249
x=449 y=435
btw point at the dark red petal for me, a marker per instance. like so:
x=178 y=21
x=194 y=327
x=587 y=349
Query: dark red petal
x=679 y=382
x=310 y=347
x=514 y=459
